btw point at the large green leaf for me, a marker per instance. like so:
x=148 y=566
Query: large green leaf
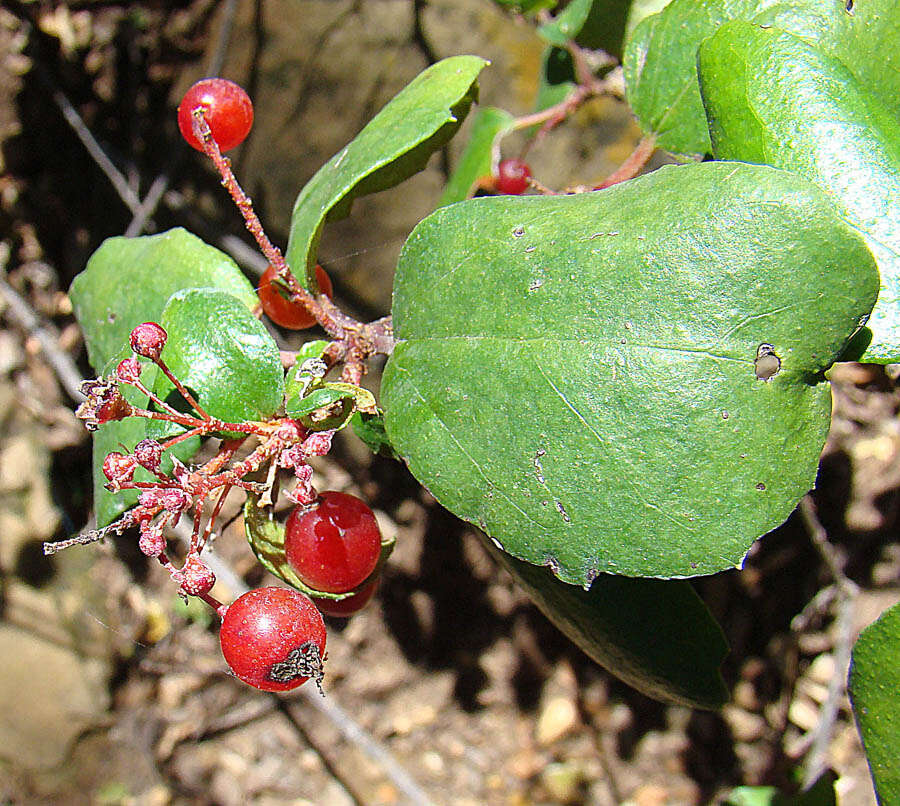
x=661 y=55
x=771 y=98
x=129 y=280
x=395 y=144
x=656 y=635
x=475 y=160
x=875 y=693
x=223 y=354
x=577 y=375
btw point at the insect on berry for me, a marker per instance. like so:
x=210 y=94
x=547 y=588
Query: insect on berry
x=280 y=309
x=148 y=340
x=333 y=546
x=512 y=177
x=274 y=639
x=227 y=109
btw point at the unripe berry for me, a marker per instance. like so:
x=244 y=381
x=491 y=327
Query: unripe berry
x=512 y=177
x=196 y=577
x=227 y=109
x=148 y=340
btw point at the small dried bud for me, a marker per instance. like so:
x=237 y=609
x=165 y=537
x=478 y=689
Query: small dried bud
x=151 y=542
x=148 y=453
x=104 y=403
x=303 y=493
x=174 y=500
x=318 y=443
x=129 y=370
x=119 y=468
x=196 y=577
x=148 y=340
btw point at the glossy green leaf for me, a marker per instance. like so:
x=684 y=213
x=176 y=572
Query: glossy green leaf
x=808 y=114
x=875 y=693
x=639 y=10
x=577 y=374
x=395 y=144
x=821 y=793
x=661 y=55
x=656 y=635
x=223 y=354
x=266 y=537
x=129 y=280
x=325 y=395
x=475 y=160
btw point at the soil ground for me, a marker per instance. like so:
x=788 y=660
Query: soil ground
x=113 y=693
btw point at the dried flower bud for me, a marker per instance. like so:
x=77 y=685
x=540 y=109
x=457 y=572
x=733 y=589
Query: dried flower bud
x=129 y=370
x=303 y=492
x=119 y=468
x=104 y=403
x=174 y=500
x=148 y=340
x=318 y=443
x=196 y=577
x=151 y=542
x=148 y=453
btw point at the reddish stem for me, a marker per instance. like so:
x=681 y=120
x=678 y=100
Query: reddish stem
x=633 y=164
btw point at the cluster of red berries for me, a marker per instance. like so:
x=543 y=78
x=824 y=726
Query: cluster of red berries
x=274 y=638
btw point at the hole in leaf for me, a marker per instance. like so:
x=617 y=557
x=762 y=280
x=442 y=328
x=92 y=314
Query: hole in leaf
x=767 y=363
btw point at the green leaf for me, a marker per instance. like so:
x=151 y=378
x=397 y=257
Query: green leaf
x=577 y=374
x=129 y=280
x=325 y=395
x=475 y=160
x=395 y=144
x=223 y=354
x=808 y=114
x=370 y=429
x=661 y=55
x=656 y=635
x=874 y=687
x=639 y=10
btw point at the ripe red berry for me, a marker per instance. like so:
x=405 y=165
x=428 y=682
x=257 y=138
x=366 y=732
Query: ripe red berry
x=344 y=608
x=148 y=340
x=333 y=546
x=274 y=639
x=228 y=111
x=280 y=309
x=512 y=177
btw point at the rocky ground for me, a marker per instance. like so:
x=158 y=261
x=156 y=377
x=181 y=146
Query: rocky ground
x=111 y=692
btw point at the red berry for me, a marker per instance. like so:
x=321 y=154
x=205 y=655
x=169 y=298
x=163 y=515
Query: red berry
x=274 y=639
x=280 y=309
x=344 y=608
x=227 y=109
x=148 y=340
x=512 y=177
x=333 y=546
